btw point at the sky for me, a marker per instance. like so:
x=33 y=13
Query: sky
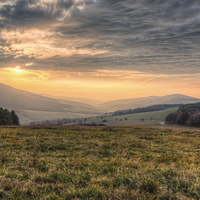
x=101 y=49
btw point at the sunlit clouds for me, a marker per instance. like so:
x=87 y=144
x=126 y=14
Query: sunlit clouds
x=41 y=45
x=103 y=49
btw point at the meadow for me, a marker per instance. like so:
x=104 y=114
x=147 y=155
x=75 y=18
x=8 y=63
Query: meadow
x=153 y=117
x=84 y=162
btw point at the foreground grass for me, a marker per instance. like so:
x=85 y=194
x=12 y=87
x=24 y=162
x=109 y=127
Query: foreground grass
x=72 y=162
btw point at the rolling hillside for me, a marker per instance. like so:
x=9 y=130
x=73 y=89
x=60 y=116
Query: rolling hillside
x=121 y=104
x=33 y=107
x=30 y=106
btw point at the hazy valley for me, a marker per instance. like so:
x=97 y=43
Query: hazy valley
x=32 y=107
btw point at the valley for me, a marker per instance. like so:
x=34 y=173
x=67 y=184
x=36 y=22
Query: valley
x=31 y=107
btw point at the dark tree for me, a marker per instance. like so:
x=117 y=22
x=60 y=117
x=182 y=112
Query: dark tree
x=8 y=118
x=15 y=119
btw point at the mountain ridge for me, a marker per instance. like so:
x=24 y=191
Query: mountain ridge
x=30 y=106
x=20 y=101
x=121 y=104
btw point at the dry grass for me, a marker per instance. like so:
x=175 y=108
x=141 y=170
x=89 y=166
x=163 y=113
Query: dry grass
x=74 y=162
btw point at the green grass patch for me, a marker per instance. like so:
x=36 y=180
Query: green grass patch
x=78 y=162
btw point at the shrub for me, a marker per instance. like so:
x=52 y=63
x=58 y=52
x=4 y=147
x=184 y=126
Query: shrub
x=194 y=120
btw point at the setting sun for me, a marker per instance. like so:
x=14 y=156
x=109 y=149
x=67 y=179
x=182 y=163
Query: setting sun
x=18 y=70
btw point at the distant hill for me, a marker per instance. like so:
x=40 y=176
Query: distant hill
x=123 y=104
x=76 y=99
x=27 y=105
x=32 y=107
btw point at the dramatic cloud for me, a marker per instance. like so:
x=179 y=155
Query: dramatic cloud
x=152 y=36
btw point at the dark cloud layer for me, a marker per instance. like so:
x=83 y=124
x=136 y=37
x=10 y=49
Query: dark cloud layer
x=146 y=35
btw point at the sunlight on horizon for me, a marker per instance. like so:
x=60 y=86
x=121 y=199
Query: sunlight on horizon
x=18 y=70
x=100 y=49
x=99 y=84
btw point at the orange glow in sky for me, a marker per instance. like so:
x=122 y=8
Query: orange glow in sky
x=100 y=84
x=18 y=70
x=100 y=49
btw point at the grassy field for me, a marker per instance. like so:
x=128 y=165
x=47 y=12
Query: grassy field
x=76 y=162
x=27 y=116
x=154 y=117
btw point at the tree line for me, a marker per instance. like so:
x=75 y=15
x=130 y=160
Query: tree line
x=191 y=108
x=8 y=118
x=144 y=109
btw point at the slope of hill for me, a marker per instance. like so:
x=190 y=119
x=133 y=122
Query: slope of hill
x=146 y=101
x=153 y=117
x=24 y=103
x=19 y=99
x=76 y=99
x=33 y=107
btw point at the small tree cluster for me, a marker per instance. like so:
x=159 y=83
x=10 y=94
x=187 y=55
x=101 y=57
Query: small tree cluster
x=8 y=118
x=184 y=118
x=178 y=118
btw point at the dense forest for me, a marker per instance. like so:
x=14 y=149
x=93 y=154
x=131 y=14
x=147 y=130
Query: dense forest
x=191 y=108
x=8 y=118
x=188 y=114
x=145 y=109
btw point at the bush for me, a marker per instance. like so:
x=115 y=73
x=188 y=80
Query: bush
x=178 y=118
x=194 y=120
